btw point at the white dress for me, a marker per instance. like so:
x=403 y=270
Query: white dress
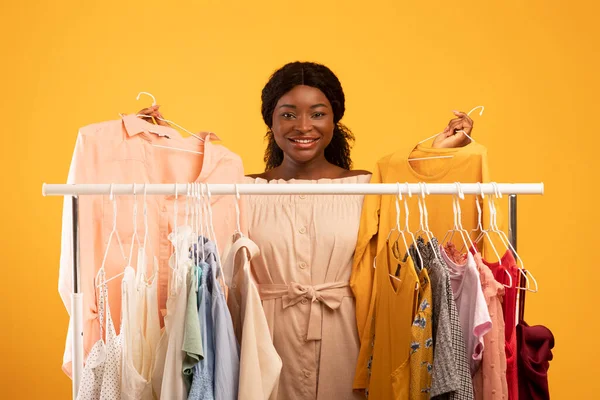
x=101 y=377
x=140 y=333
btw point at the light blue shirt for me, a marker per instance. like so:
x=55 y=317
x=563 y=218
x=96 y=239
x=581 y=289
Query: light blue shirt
x=217 y=375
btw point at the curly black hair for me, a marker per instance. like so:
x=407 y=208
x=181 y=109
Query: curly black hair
x=318 y=76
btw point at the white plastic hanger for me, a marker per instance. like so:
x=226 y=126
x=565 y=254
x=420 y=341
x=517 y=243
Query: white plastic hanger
x=456 y=211
x=485 y=233
x=406 y=226
x=113 y=232
x=237 y=211
x=221 y=274
x=397 y=229
x=423 y=228
x=424 y=218
x=135 y=237
x=461 y=196
x=175 y=242
x=166 y=120
x=501 y=233
x=200 y=216
x=170 y=122
x=437 y=134
x=148 y=244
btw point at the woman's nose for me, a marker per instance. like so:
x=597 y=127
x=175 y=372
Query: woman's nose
x=304 y=124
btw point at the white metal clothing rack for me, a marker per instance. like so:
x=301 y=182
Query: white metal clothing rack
x=75 y=190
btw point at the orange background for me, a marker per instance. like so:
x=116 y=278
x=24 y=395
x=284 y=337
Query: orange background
x=404 y=67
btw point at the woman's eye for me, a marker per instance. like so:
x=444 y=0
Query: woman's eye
x=287 y=115
x=318 y=115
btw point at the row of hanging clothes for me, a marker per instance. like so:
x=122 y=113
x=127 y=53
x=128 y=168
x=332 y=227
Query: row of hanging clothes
x=215 y=343
x=201 y=310
x=437 y=317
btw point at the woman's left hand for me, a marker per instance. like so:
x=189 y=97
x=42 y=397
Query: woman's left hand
x=452 y=135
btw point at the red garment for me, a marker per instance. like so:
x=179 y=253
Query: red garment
x=509 y=308
x=535 y=352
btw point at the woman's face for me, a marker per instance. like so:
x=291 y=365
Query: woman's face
x=303 y=123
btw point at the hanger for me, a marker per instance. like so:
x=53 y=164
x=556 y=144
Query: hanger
x=461 y=195
x=135 y=237
x=422 y=212
x=237 y=211
x=203 y=217
x=199 y=228
x=397 y=229
x=113 y=232
x=146 y=235
x=456 y=210
x=484 y=233
x=522 y=270
x=166 y=120
x=424 y=218
x=170 y=122
x=221 y=274
x=437 y=134
x=406 y=225
x=494 y=228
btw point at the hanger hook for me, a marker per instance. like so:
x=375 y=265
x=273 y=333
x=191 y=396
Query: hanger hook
x=475 y=108
x=110 y=192
x=481 y=190
x=398 y=198
x=145 y=192
x=147 y=94
x=408 y=189
x=208 y=194
x=497 y=191
x=459 y=190
x=237 y=192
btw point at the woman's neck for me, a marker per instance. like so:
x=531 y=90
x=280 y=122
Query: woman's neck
x=312 y=170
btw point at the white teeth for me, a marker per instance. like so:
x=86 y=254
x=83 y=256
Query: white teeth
x=304 y=140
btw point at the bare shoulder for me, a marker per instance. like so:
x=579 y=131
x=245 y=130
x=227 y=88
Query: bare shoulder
x=256 y=175
x=267 y=175
x=355 y=172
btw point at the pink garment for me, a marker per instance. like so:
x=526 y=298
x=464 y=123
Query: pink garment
x=473 y=313
x=306 y=245
x=489 y=382
x=122 y=151
x=509 y=306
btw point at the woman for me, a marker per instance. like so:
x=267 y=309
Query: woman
x=307 y=242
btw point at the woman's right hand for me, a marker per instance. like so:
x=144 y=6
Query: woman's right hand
x=152 y=115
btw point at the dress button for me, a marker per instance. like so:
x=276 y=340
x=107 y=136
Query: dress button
x=302 y=230
x=493 y=391
x=302 y=196
x=307 y=374
x=304 y=301
x=164 y=209
x=302 y=265
x=491 y=365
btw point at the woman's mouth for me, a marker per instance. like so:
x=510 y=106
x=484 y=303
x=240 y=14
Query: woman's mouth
x=304 y=143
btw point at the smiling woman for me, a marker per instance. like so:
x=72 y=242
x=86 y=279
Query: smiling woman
x=307 y=242
x=302 y=104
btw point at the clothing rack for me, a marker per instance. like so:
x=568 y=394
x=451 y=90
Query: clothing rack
x=75 y=190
